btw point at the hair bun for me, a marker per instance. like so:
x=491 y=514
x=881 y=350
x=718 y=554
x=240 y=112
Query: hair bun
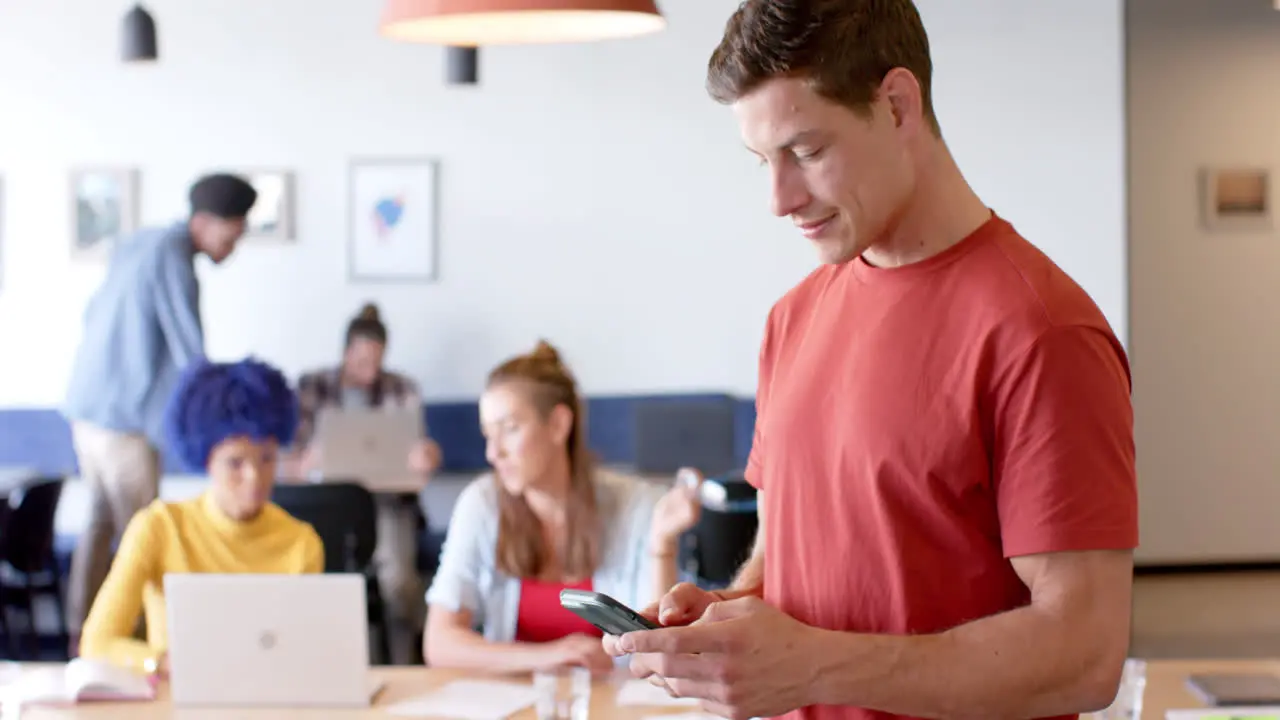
x=368 y=313
x=545 y=351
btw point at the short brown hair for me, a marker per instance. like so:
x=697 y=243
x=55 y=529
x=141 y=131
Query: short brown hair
x=844 y=47
x=522 y=551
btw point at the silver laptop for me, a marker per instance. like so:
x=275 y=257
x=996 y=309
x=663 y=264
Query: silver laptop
x=257 y=640
x=370 y=446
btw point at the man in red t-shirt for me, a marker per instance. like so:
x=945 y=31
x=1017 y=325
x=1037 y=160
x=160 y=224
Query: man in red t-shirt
x=944 y=434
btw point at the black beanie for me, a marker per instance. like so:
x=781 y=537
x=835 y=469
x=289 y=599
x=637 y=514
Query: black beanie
x=226 y=196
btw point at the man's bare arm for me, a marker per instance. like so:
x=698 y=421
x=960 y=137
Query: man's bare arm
x=1061 y=654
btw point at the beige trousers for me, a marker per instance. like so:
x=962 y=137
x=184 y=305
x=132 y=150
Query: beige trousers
x=399 y=581
x=122 y=473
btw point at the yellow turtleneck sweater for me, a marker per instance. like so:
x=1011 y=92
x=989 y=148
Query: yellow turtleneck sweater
x=193 y=536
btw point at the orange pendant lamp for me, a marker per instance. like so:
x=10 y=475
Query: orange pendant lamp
x=472 y=23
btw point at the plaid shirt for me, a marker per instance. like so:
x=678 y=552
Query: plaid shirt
x=323 y=388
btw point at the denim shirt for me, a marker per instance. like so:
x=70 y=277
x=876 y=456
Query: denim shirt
x=468 y=577
x=141 y=328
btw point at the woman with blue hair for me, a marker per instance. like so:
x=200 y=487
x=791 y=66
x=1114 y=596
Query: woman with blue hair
x=228 y=420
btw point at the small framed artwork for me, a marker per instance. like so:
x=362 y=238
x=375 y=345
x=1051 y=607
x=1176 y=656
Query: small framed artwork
x=272 y=216
x=393 y=220
x=104 y=207
x=1237 y=198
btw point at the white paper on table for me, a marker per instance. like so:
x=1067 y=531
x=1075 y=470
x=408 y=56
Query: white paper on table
x=469 y=700
x=684 y=716
x=1224 y=713
x=640 y=692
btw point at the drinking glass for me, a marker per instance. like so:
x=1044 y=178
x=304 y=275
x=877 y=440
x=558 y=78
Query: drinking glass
x=563 y=693
x=1128 y=702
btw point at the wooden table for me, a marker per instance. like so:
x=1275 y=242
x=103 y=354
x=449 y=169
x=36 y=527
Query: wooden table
x=1166 y=689
x=402 y=683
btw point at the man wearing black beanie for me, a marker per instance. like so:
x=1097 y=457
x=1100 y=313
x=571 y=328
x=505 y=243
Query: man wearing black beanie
x=219 y=205
x=141 y=328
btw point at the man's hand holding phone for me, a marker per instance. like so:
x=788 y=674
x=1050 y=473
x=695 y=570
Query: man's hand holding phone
x=682 y=605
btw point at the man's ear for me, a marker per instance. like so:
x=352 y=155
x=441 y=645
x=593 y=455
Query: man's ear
x=901 y=90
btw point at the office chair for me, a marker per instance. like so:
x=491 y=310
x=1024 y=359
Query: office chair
x=26 y=550
x=344 y=516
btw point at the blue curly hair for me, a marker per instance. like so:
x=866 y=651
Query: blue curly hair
x=217 y=401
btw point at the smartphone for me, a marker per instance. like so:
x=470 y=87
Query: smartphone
x=611 y=616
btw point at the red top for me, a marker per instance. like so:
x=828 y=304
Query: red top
x=542 y=619
x=921 y=425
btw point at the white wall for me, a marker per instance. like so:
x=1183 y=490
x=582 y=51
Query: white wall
x=576 y=180
x=1206 y=338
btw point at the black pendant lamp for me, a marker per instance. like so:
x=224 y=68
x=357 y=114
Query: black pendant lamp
x=462 y=65
x=138 y=36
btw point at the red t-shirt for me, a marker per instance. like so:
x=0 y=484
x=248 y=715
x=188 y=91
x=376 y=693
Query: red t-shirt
x=919 y=426
x=541 y=618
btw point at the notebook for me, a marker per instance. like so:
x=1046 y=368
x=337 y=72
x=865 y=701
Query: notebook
x=1235 y=689
x=78 y=681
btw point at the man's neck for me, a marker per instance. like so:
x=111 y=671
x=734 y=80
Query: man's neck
x=944 y=211
x=191 y=238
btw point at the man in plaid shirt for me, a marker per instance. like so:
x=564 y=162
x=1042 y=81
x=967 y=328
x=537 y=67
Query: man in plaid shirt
x=361 y=382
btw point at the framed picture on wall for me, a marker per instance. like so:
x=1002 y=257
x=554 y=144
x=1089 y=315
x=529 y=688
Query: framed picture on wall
x=1237 y=198
x=103 y=208
x=272 y=216
x=393 y=217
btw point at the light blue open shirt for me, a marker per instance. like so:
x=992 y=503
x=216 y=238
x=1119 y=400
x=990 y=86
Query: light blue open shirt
x=468 y=577
x=141 y=328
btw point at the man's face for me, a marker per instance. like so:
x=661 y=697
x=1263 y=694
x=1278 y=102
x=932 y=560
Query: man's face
x=842 y=178
x=218 y=236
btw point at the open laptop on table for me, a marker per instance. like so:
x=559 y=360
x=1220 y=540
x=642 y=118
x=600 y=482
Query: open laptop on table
x=257 y=640
x=370 y=446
